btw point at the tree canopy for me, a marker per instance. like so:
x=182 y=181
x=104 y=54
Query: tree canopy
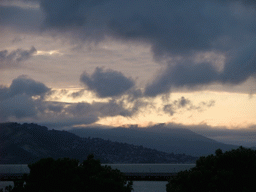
x=66 y=175
x=223 y=172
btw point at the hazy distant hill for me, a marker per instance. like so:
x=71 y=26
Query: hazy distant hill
x=158 y=137
x=26 y=143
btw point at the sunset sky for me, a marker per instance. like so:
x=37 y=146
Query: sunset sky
x=75 y=63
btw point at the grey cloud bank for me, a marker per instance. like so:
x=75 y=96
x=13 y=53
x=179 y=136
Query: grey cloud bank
x=16 y=101
x=186 y=104
x=24 y=85
x=172 y=28
x=23 y=19
x=10 y=59
x=176 y=31
x=237 y=70
x=25 y=100
x=107 y=83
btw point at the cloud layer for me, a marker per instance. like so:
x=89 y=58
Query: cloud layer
x=25 y=99
x=240 y=67
x=107 y=83
x=176 y=32
x=186 y=104
x=10 y=59
x=16 y=101
x=173 y=29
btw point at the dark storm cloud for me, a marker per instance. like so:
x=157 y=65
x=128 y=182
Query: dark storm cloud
x=172 y=29
x=25 y=85
x=55 y=107
x=245 y=2
x=112 y=108
x=241 y=66
x=169 y=109
x=3 y=92
x=182 y=102
x=60 y=115
x=180 y=75
x=107 y=83
x=177 y=104
x=76 y=94
x=21 y=18
x=19 y=106
x=169 y=26
x=185 y=104
x=97 y=109
x=63 y=13
x=25 y=99
x=10 y=59
x=16 y=100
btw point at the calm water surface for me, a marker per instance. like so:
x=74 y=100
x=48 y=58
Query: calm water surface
x=149 y=186
x=139 y=186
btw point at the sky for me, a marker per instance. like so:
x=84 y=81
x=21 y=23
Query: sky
x=115 y=62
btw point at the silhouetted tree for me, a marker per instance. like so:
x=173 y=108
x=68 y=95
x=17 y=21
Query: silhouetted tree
x=66 y=175
x=223 y=172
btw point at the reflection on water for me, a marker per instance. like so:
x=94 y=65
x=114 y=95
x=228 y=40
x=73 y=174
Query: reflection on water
x=149 y=186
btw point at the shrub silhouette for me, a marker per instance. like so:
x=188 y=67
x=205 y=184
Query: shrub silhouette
x=233 y=170
x=66 y=175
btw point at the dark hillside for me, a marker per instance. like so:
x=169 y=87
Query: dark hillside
x=26 y=143
x=159 y=137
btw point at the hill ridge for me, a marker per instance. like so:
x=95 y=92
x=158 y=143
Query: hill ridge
x=159 y=137
x=27 y=143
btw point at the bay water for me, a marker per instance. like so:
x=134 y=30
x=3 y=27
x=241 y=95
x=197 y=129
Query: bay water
x=149 y=186
x=138 y=186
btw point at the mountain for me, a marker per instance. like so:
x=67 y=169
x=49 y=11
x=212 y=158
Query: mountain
x=159 y=137
x=27 y=143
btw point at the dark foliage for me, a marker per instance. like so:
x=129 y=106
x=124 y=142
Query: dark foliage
x=223 y=172
x=66 y=175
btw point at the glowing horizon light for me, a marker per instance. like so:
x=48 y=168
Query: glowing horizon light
x=223 y=114
x=51 y=52
x=228 y=109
